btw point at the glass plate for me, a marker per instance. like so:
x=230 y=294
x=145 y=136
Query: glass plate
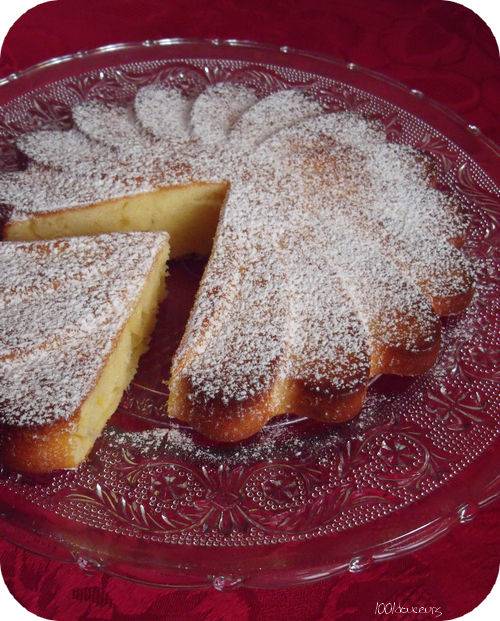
x=300 y=501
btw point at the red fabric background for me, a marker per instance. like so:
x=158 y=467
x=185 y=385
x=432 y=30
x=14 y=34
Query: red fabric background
x=438 y=47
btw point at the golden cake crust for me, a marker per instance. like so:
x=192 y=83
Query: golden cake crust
x=64 y=368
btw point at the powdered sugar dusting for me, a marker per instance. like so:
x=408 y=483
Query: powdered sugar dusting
x=216 y=110
x=112 y=125
x=60 y=149
x=163 y=112
x=271 y=114
x=277 y=442
x=63 y=303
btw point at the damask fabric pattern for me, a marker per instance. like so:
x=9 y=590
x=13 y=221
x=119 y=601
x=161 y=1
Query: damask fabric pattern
x=440 y=48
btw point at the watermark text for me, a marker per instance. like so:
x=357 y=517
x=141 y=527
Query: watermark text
x=396 y=608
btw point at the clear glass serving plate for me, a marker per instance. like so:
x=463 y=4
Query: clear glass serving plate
x=301 y=501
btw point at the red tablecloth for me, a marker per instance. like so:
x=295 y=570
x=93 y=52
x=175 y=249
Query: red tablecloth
x=438 y=47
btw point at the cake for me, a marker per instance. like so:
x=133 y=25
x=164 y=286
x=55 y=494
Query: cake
x=331 y=253
x=76 y=315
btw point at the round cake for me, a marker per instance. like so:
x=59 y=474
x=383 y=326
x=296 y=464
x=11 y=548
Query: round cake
x=331 y=253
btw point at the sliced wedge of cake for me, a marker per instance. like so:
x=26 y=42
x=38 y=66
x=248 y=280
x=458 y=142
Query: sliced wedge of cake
x=76 y=314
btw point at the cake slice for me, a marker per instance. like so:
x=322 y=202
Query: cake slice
x=76 y=314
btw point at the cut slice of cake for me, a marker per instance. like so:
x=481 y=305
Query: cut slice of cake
x=76 y=316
